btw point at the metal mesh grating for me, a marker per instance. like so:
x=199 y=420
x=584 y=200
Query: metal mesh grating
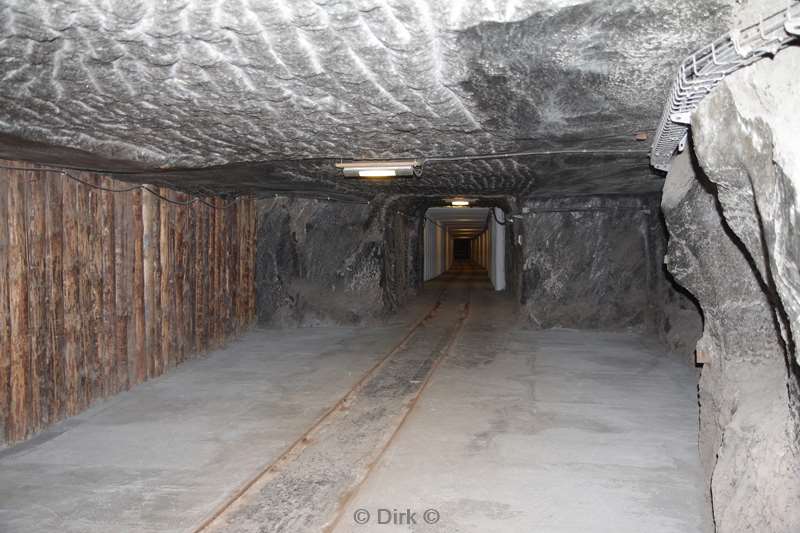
x=699 y=73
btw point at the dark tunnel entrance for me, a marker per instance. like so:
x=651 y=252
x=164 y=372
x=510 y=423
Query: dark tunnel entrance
x=461 y=249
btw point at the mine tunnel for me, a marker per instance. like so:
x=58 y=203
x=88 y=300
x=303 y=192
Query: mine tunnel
x=510 y=266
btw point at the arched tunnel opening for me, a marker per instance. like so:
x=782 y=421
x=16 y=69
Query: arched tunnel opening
x=302 y=266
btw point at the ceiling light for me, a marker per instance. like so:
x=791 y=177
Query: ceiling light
x=459 y=203
x=380 y=169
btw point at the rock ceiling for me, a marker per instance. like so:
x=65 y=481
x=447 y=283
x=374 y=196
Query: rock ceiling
x=267 y=94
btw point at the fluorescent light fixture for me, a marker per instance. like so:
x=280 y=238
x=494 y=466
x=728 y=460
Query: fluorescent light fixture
x=380 y=169
x=459 y=203
x=377 y=173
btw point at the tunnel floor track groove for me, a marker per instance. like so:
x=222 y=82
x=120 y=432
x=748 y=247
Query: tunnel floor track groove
x=315 y=477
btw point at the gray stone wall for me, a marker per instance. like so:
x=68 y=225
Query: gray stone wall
x=595 y=262
x=318 y=262
x=403 y=267
x=732 y=215
x=321 y=262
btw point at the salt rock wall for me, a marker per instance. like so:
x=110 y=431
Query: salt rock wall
x=403 y=265
x=318 y=262
x=324 y=262
x=596 y=263
x=733 y=216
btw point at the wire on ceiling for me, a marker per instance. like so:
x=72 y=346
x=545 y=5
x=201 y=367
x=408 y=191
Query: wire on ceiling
x=529 y=153
x=195 y=199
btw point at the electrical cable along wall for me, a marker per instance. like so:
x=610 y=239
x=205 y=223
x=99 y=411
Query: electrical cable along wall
x=101 y=290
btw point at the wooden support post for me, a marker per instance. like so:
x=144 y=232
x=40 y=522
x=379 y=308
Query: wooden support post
x=72 y=315
x=39 y=375
x=152 y=281
x=233 y=268
x=251 y=244
x=139 y=358
x=201 y=277
x=242 y=292
x=99 y=342
x=108 y=268
x=182 y=318
x=215 y=298
x=167 y=282
x=190 y=277
x=123 y=298
x=20 y=352
x=5 y=318
x=85 y=327
x=55 y=308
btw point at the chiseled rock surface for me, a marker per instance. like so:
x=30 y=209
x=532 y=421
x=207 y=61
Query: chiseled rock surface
x=748 y=138
x=594 y=267
x=199 y=83
x=318 y=262
x=734 y=245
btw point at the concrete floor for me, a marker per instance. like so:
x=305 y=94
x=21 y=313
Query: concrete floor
x=163 y=457
x=517 y=430
x=546 y=431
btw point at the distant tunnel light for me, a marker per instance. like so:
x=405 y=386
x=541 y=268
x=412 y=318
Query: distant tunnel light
x=379 y=169
x=459 y=203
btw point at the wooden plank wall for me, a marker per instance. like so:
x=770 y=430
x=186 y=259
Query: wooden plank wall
x=100 y=290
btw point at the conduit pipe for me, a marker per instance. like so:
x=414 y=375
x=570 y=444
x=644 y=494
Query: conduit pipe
x=703 y=70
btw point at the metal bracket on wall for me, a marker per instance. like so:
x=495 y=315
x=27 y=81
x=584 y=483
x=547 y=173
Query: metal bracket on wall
x=702 y=71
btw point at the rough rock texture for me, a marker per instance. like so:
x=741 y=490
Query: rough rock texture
x=593 y=263
x=144 y=84
x=341 y=263
x=318 y=262
x=679 y=321
x=403 y=264
x=734 y=246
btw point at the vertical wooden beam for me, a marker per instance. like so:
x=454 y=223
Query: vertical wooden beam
x=96 y=341
x=242 y=290
x=123 y=301
x=251 y=262
x=201 y=275
x=139 y=359
x=245 y=259
x=72 y=315
x=233 y=268
x=191 y=276
x=5 y=319
x=55 y=308
x=181 y=270
x=18 y=304
x=219 y=282
x=167 y=281
x=222 y=246
x=152 y=280
x=223 y=253
x=108 y=252
x=86 y=327
x=213 y=274
x=38 y=377
x=212 y=291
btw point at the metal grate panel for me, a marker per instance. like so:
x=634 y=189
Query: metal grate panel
x=699 y=73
